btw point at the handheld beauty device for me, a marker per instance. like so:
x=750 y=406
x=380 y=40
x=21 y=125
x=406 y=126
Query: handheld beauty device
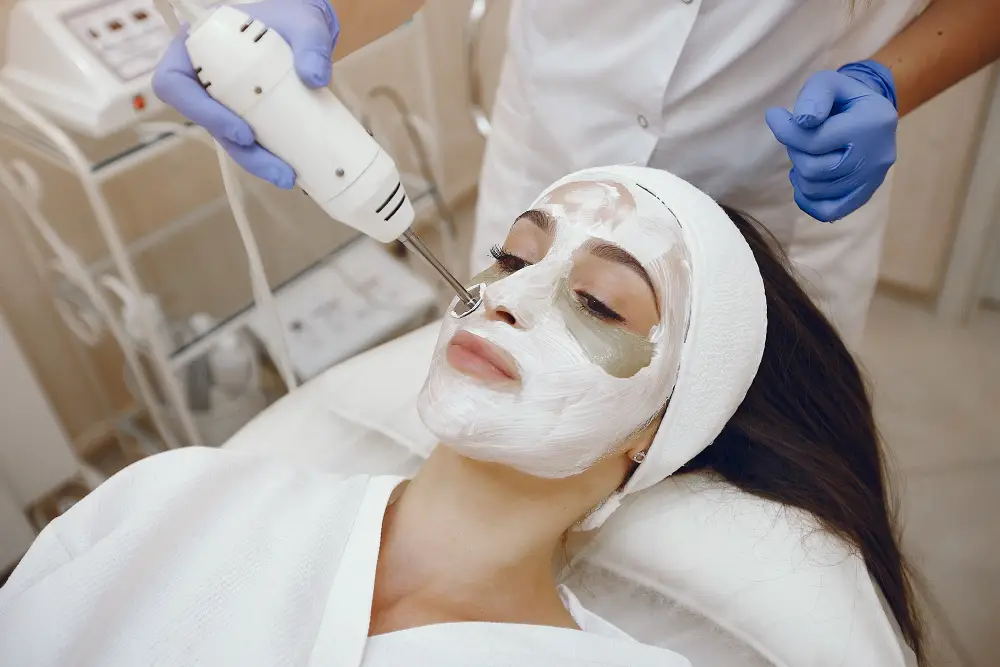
x=249 y=69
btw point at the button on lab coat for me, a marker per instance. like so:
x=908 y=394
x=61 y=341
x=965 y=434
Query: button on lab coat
x=209 y=557
x=683 y=86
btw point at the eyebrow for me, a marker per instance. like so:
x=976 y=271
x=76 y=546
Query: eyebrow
x=613 y=253
x=544 y=221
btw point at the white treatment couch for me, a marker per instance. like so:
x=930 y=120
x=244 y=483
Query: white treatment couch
x=692 y=564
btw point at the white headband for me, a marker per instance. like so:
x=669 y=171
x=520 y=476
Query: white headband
x=727 y=326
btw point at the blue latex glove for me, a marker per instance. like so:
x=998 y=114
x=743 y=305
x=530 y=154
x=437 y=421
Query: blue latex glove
x=841 y=138
x=309 y=26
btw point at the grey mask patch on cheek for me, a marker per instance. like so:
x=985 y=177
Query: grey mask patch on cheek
x=620 y=353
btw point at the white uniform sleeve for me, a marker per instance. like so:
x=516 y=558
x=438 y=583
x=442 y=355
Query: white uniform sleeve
x=195 y=552
x=45 y=555
x=130 y=496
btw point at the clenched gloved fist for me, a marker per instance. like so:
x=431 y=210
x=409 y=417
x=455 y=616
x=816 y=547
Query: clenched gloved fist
x=841 y=138
x=309 y=26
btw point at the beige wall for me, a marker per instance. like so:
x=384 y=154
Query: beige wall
x=35 y=455
x=992 y=291
x=937 y=146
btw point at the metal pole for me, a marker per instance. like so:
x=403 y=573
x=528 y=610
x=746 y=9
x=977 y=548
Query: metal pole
x=413 y=241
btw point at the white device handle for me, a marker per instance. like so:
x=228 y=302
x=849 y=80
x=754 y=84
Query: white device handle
x=250 y=69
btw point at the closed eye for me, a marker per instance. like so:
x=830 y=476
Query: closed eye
x=507 y=262
x=598 y=308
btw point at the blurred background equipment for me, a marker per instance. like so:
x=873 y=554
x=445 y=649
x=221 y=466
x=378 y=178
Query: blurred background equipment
x=75 y=93
x=86 y=64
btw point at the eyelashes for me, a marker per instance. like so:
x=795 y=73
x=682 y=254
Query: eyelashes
x=596 y=307
x=509 y=264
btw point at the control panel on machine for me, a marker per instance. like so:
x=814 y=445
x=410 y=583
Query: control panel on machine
x=87 y=64
x=127 y=36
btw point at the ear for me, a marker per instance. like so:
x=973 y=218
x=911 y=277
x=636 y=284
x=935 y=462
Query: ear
x=637 y=443
x=637 y=454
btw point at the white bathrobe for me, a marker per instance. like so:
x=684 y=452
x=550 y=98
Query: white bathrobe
x=217 y=558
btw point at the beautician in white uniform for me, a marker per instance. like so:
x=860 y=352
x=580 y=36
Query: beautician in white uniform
x=686 y=86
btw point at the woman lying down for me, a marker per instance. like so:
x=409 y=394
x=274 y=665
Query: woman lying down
x=631 y=330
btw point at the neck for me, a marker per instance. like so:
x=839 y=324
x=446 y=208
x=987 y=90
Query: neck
x=465 y=530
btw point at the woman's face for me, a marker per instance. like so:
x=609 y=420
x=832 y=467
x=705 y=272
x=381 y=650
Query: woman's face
x=576 y=345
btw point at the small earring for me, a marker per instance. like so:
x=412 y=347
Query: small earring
x=639 y=457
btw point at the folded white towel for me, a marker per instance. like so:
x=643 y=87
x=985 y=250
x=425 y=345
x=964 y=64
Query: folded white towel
x=724 y=342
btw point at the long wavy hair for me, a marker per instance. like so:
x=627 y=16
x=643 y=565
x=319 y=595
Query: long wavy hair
x=805 y=434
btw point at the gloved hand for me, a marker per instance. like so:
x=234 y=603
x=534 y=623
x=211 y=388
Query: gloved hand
x=309 y=26
x=841 y=138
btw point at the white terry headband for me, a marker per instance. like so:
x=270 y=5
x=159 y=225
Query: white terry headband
x=727 y=326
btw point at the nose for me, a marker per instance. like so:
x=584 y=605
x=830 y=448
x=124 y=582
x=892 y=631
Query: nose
x=498 y=313
x=518 y=299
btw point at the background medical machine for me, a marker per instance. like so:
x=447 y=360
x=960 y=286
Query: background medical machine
x=78 y=75
x=88 y=65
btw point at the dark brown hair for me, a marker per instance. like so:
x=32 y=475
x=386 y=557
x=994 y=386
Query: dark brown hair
x=805 y=434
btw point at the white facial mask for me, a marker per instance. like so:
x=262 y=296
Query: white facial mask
x=583 y=390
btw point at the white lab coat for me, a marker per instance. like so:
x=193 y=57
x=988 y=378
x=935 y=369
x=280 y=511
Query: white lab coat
x=683 y=85
x=209 y=557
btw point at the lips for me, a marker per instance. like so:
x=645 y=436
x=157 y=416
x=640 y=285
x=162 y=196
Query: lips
x=478 y=358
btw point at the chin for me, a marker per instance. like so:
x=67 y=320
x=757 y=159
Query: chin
x=454 y=406
x=440 y=417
